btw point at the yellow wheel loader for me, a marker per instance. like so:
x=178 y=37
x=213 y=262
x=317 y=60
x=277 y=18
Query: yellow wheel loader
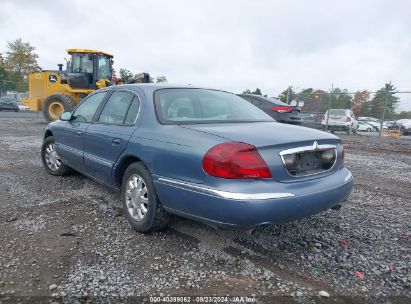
x=56 y=91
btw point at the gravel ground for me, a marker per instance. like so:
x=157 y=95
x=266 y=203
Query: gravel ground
x=66 y=237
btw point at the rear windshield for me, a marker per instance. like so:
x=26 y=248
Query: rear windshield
x=337 y=112
x=194 y=106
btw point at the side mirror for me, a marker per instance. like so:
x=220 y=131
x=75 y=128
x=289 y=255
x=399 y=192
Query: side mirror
x=66 y=116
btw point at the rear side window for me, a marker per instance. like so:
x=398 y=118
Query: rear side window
x=86 y=110
x=120 y=109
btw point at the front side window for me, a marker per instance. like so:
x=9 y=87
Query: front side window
x=190 y=106
x=121 y=108
x=86 y=110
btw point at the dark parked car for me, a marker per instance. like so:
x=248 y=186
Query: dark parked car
x=312 y=120
x=277 y=109
x=8 y=104
x=203 y=154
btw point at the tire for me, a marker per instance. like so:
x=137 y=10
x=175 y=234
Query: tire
x=51 y=160
x=155 y=217
x=369 y=130
x=56 y=104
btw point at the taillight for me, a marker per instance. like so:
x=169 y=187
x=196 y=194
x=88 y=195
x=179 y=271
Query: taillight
x=342 y=157
x=282 y=109
x=235 y=160
x=348 y=119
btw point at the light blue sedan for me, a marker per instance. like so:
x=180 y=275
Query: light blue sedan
x=203 y=154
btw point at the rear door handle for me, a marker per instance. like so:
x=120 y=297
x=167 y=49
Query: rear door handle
x=116 y=141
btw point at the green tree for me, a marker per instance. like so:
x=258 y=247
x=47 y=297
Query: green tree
x=287 y=95
x=161 y=79
x=375 y=107
x=404 y=115
x=340 y=99
x=304 y=94
x=21 y=57
x=125 y=75
x=21 y=60
x=257 y=92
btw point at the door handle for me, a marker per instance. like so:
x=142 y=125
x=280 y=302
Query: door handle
x=78 y=133
x=116 y=141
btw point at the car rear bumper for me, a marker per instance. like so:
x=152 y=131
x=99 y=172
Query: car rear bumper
x=273 y=203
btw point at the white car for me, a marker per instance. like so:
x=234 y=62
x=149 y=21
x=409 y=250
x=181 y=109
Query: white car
x=23 y=107
x=376 y=125
x=340 y=120
x=364 y=126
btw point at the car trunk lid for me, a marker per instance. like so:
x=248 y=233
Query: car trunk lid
x=271 y=139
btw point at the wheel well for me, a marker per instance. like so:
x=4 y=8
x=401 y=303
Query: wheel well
x=48 y=134
x=122 y=167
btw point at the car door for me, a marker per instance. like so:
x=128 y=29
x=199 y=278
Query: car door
x=108 y=136
x=69 y=135
x=9 y=106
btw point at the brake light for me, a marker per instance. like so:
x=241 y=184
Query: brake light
x=282 y=109
x=342 y=156
x=235 y=160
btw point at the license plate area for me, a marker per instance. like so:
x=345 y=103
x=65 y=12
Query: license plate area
x=309 y=162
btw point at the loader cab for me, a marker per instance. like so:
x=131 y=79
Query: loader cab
x=89 y=69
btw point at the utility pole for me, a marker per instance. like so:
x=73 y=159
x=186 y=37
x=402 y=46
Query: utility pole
x=329 y=106
x=288 y=94
x=387 y=92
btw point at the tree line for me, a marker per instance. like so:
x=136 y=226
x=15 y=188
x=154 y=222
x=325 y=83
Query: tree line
x=362 y=102
x=20 y=59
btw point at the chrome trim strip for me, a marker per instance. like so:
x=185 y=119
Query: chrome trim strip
x=314 y=147
x=224 y=194
x=69 y=149
x=348 y=177
x=98 y=160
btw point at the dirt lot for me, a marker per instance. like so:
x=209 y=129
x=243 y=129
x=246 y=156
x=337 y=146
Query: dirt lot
x=63 y=237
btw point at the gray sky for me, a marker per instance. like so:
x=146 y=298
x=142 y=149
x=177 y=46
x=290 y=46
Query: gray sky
x=232 y=45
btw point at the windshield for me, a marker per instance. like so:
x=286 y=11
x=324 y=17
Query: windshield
x=192 y=106
x=104 y=68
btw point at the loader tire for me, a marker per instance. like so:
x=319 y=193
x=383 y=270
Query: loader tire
x=56 y=104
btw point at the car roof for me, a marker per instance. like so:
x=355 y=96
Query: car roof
x=151 y=87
